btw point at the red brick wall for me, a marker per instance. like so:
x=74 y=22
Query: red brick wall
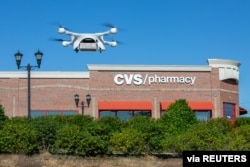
x=58 y=94
x=230 y=94
x=46 y=94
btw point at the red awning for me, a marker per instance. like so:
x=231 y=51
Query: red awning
x=194 y=105
x=165 y=104
x=124 y=105
x=201 y=105
x=243 y=111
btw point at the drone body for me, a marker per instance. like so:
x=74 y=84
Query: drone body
x=87 y=41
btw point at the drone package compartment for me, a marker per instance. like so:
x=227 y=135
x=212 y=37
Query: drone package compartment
x=87 y=46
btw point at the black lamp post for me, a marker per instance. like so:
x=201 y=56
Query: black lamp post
x=77 y=99
x=18 y=57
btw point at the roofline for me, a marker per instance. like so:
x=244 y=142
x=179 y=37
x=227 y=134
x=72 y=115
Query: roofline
x=108 y=67
x=223 y=62
x=44 y=74
x=212 y=63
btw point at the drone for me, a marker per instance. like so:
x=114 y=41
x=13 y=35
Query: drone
x=87 y=41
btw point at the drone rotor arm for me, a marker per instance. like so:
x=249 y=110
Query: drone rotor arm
x=71 y=33
x=110 y=43
x=66 y=43
x=62 y=30
x=102 y=33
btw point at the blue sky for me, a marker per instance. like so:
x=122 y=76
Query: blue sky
x=169 y=32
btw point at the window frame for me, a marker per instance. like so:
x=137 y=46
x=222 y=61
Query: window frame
x=231 y=107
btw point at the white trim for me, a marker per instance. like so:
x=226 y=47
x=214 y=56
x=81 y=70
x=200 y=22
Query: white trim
x=106 y=67
x=223 y=62
x=228 y=69
x=44 y=74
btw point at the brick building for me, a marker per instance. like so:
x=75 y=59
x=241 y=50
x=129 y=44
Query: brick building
x=125 y=90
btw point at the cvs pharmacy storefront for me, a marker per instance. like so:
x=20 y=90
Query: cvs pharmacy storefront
x=126 y=90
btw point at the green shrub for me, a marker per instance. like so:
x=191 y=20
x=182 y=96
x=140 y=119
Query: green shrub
x=3 y=118
x=240 y=138
x=71 y=139
x=202 y=136
x=90 y=145
x=80 y=120
x=46 y=128
x=105 y=127
x=221 y=124
x=22 y=120
x=18 y=138
x=66 y=139
x=128 y=141
x=242 y=121
x=152 y=130
x=111 y=124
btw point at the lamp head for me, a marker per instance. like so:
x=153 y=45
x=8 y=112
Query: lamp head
x=76 y=99
x=88 y=99
x=39 y=56
x=18 y=57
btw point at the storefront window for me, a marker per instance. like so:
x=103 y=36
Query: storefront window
x=124 y=115
x=38 y=113
x=53 y=113
x=107 y=113
x=203 y=115
x=142 y=113
x=229 y=110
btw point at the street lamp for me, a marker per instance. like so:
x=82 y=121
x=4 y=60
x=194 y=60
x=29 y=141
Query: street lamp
x=18 y=57
x=77 y=99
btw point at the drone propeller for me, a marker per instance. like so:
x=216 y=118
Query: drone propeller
x=56 y=39
x=109 y=25
x=119 y=42
x=59 y=25
x=64 y=42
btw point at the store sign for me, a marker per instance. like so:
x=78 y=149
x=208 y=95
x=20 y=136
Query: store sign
x=139 y=79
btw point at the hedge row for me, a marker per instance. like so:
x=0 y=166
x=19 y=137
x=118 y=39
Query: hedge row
x=176 y=131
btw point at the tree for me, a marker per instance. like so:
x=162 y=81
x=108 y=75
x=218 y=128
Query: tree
x=178 y=117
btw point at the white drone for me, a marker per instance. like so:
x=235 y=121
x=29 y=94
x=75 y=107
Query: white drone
x=87 y=41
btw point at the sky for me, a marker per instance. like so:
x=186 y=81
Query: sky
x=162 y=32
